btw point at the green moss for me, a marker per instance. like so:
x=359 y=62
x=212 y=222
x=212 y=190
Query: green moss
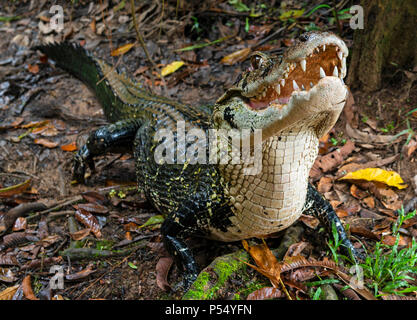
x=213 y=278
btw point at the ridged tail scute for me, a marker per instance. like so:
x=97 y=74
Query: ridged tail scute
x=75 y=60
x=81 y=64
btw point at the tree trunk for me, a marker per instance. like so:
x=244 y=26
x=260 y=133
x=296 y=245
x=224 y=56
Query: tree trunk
x=388 y=41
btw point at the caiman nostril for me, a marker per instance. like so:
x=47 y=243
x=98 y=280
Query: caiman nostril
x=303 y=37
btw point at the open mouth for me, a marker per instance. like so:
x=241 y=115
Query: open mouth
x=302 y=75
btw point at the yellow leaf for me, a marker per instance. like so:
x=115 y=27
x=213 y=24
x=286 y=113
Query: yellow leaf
x=236 y=56
x=122 y=50
x=172 y=67
x=390 y=178
x=8 y=293
x=291 y=14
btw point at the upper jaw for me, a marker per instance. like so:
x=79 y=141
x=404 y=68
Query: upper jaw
x=301 y=68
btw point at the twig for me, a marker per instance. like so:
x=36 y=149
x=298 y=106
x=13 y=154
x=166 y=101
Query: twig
x=138 y=34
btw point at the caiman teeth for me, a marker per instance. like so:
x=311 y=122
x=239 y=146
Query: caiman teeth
x=335 y=72
x=324 y=47
x=303 y=64
x=295 y=85
x=340 y=55
x=322 y=73
x=282 y=82
x=278 y=89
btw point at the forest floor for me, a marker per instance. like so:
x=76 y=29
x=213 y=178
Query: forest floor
x=45 y=115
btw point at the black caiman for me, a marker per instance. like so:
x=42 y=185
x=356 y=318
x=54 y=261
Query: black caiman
x=294 y=100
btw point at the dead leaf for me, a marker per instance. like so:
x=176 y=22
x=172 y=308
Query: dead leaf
x=411 y=147
x=237 y=56
x=46 y=143
x=357 y=192
x=390 y=178
x=33 y=68
x=122 y=50
x=162 y=270
x=369 y=138
x=34 y=124
x=27 y=289
x=92 y=207
x=325 y=184
x=390 y=240
x=80 y=274
x=20 y=224
x=69 y=147
x=8 y=293
x=171 y=68
x=265 y=293
x=16 y=189
x=370 y=202
x=80 y=234
x=89 y=221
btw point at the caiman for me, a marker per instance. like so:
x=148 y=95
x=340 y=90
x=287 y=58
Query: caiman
x=293 y=100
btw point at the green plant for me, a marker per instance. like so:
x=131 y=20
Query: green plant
x=389 y=269
x=409 y=131
x=196 y=25
x=239 y=5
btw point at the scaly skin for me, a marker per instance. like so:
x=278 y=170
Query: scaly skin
x=294 y=101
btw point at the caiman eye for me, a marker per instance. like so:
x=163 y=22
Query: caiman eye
x=256 y=61
x=259 y=60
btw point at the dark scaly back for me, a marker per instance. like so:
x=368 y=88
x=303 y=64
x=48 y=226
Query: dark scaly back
x=121 y=97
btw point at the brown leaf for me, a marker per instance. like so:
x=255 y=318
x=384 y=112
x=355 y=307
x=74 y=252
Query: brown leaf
x=236 y=56
x=357 y=192
x=34 y=124
x=27 y=289
x=89 y=221
x=33 y=68
x=122 y=50
x=42 y=263
x=350 y=111
x=325 y=184
x=16 y=189
x=8 y=260
x=80 y=234
x=411 y=147
x=81 y=274
x=332 y=160
x=20 y=224
x=69 y=147
x=92 y=207
x=370 y=202
x=390 y=240
x=309 y=221
x=46 y=143
x=49 y=130
x=369 y=138
x=265 y=293
x=267 y=263
x=8 y=293
x=94 y=197
x=162 y=269
x=361 y=231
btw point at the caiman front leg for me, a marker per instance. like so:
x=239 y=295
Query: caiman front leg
x=174 y=243
x=114 y=138
x=319 y=207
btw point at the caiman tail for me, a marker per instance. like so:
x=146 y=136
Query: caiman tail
x=120 y=97
x=106 y=83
